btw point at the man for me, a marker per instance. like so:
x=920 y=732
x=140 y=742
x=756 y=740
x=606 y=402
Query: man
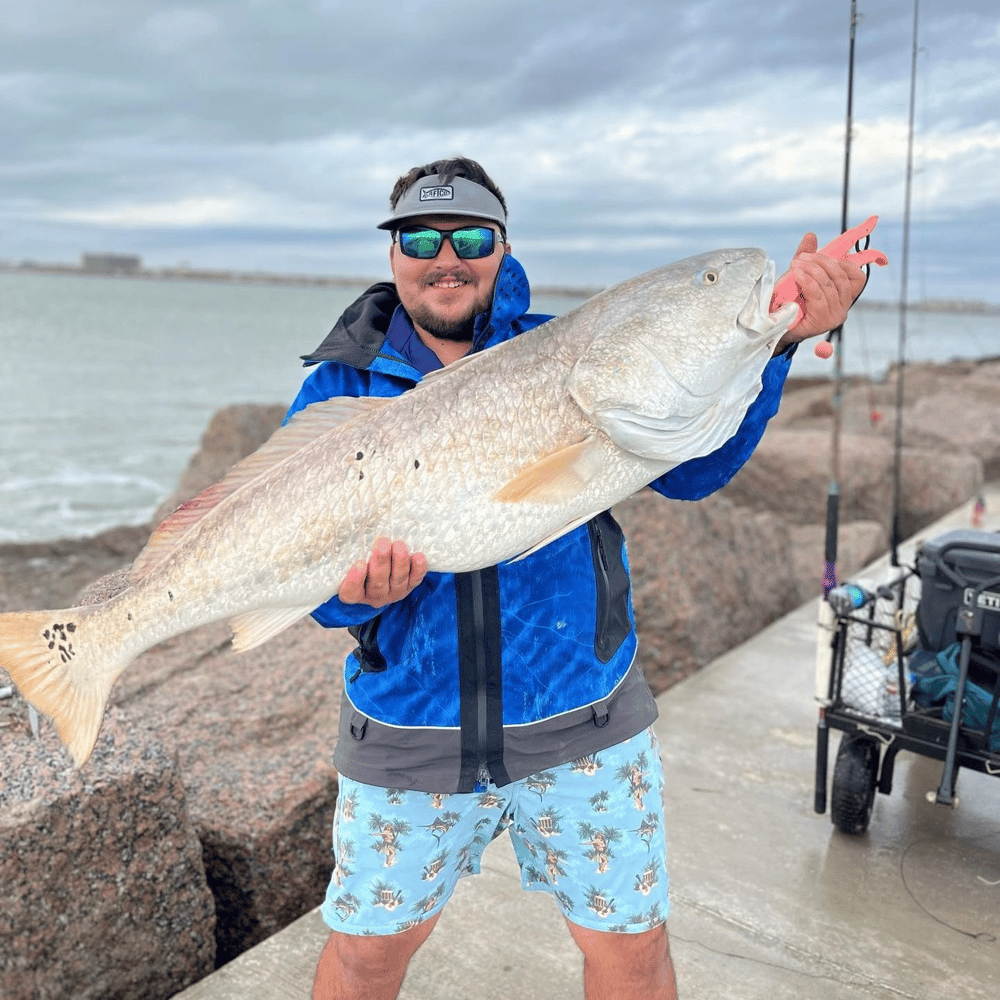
x=507 y=698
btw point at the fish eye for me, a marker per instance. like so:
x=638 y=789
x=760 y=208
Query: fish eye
x=709 y=277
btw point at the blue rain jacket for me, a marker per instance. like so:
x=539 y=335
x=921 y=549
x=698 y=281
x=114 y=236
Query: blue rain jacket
x=515 y=668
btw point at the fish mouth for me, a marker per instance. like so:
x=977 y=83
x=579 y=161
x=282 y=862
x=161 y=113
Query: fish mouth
x=755 y=318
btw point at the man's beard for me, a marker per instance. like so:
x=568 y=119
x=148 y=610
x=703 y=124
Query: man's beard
x=459 y=329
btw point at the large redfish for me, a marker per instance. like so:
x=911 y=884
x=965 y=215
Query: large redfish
x=485 y=461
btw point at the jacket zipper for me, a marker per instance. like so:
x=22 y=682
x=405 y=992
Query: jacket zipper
x=604 y=590
x=478 y=618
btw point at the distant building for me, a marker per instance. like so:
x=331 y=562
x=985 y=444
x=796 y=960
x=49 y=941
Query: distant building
x=110 y=263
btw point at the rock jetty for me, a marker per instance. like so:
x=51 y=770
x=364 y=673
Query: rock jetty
x=200 y=826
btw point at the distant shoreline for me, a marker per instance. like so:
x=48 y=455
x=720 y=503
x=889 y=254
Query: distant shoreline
x=221 y=276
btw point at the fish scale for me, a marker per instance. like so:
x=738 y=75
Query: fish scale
x=487 y=460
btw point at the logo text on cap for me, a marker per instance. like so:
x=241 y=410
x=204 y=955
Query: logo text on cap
x=442 y=193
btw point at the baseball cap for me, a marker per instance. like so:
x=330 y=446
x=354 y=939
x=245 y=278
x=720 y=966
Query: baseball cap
x=436 y=195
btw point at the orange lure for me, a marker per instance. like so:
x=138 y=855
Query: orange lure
x=787 y=290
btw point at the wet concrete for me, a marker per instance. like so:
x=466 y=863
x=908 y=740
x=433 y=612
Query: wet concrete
x=769 y=901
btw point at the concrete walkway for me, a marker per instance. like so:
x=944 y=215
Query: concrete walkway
x=768 y=901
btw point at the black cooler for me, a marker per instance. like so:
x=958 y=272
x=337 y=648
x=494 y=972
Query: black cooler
x=952 y=567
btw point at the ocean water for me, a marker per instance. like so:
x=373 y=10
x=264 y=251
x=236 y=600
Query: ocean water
x=107 y=384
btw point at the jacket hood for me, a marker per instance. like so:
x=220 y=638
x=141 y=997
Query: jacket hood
x=358 y=336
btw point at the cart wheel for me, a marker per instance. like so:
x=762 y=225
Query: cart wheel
x=855 y=776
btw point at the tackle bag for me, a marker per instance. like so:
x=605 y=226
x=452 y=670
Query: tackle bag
x=934 y=678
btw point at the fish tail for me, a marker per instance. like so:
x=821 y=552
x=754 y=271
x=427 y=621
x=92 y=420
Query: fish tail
x=47 y=657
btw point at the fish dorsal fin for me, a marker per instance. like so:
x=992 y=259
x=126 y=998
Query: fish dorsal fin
x=256 y=627
x=305 y=427
x=557 y=477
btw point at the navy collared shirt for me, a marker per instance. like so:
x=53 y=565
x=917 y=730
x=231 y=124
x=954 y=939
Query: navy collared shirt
x=404 y=338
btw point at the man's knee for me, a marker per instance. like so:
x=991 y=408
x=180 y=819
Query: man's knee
x=378 y=951
x=648 y=949
x=377 y=962
x=626 y=966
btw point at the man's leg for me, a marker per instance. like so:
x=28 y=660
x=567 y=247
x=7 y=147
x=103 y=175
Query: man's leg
x=399 y=855
x=372 y=967
x=626 y=966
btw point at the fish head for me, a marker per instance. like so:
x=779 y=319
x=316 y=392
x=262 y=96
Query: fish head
x=678 y=353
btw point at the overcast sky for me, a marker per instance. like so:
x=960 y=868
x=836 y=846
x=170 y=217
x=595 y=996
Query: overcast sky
x=257 y=134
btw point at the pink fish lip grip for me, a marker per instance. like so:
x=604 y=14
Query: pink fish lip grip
x=839 y=249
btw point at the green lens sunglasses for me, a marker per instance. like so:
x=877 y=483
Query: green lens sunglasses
x=470 y=243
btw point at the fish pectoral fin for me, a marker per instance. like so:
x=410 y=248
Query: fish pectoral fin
x=256 y=627
x=557 y=477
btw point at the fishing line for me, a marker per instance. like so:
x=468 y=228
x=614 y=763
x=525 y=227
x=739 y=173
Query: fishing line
x=898 y=443
x=837 y=331
x=866 y=364
x=874 y=413
x=986 y=936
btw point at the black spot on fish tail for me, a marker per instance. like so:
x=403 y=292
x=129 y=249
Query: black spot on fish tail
x=129 y=616
x=170 y=594
x=416 y=463
x=360 y=455
x=361 y=476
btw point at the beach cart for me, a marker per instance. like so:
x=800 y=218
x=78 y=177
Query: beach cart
x=912 y=664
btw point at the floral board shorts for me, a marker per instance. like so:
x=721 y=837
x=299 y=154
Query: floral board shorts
x=590 y=832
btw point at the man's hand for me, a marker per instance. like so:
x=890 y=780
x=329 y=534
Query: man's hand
x=827 y=289
x=389 y=575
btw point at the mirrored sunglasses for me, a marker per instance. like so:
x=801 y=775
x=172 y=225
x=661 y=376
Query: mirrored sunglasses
x=470 y=243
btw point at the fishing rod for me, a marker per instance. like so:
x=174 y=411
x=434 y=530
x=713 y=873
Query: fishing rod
x=833 y=494
x=898 y=444
x=824 y=624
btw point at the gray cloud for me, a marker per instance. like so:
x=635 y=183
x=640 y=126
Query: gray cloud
x=252 y=134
